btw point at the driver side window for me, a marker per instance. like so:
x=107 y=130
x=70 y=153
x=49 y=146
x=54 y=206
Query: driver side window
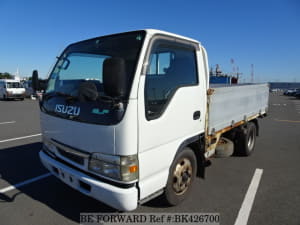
x=172 y=66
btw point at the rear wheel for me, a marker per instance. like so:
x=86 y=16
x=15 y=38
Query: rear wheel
x=181 y=176
x=245 y=140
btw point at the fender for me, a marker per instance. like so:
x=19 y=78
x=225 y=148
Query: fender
x=196 y=143
x=255 y=121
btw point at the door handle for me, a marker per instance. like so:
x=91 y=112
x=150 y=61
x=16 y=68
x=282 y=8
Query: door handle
x=196 y=115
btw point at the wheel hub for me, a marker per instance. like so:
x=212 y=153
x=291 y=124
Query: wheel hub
x=251 y=140
x=182 y=176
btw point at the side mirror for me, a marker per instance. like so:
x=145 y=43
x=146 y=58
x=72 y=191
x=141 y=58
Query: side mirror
x=35 y=80
x=43 y=85
x=114 y=77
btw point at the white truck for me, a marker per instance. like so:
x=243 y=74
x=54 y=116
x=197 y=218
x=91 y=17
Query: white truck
x=11 y=89
x=131 y=116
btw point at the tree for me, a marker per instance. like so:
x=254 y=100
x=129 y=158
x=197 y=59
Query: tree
x=6 y=76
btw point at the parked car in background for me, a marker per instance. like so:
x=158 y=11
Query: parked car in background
x=11 y=89
x=28 y=88
x=297 y=94
x=290 y=92
x=275 y=90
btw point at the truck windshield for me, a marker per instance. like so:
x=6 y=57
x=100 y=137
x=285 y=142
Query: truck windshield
x=80 y=67
x=13 y=85
x=83 y=61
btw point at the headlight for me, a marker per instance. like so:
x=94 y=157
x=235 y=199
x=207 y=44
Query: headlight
x=123 y=168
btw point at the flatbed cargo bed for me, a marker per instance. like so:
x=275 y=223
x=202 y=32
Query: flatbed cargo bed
x=230 y=104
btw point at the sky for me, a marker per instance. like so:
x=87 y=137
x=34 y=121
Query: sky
x=265 y=33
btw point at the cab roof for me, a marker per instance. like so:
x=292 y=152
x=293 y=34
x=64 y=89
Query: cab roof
x=150 y=32
x=155 y=31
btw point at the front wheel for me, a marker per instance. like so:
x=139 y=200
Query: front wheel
x=181 y=176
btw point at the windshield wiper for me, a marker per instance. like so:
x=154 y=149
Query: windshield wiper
x=115 y=102
x=49 y=95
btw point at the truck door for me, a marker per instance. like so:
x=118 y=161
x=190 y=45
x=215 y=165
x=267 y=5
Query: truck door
x=171 y=108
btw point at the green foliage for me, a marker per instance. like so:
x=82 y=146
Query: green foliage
x=6 y=76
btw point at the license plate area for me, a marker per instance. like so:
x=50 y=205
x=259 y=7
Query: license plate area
x=72 y=181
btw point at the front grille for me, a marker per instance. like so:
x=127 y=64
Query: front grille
x=15 y=96
x=75 y=158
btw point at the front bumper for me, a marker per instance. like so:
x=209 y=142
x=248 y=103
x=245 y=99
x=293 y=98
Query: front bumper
x=125 y=199
x=15 y=95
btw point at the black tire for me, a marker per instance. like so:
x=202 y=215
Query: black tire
x=22 y=99
x=181 y=177
x=245 y=140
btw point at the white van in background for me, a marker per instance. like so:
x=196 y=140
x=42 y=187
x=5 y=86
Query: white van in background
x=11 y=89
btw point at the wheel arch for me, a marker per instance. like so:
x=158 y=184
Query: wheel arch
x=196 y=143
x=255 y=121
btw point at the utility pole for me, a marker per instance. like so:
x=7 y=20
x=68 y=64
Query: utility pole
x=238 y=72
x=252 y=73
x=233 y=67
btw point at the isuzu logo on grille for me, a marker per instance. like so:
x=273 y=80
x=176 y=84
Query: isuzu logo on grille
x=69 y=110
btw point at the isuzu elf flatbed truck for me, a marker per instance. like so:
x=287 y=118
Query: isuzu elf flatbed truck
x=131 y=116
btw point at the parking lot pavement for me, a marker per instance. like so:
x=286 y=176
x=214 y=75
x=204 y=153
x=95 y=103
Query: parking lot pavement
x=23 y=114
x=48 y=201
x=278 y=198
x=19 y=161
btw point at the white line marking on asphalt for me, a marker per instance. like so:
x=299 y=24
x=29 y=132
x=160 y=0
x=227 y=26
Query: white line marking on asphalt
x=18 y=138
x=12 y=187
x=7 y=122
x=245 y=209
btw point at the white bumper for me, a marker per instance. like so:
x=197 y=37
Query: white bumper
x=124 y=199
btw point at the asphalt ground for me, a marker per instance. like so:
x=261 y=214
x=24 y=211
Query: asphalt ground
x=49 y=201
